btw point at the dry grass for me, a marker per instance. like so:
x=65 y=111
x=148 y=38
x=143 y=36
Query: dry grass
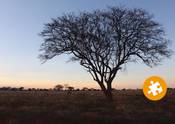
x=84 y=107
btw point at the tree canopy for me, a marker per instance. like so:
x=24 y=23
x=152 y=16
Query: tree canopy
x=103 y=40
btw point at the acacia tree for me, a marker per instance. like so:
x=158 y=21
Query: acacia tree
x=59 y=87
x=103 y=41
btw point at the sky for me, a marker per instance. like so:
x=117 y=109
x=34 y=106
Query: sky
x=21 y=21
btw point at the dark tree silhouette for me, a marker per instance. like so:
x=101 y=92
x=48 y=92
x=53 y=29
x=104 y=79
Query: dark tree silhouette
x=70 y=88
x=85 y=89
x=21 y=88
x=59 y=87
x=102 y=41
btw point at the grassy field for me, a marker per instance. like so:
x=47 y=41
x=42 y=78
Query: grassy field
x=84 y=107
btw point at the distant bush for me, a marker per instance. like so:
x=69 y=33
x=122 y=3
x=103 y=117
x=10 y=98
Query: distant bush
x=59 y=87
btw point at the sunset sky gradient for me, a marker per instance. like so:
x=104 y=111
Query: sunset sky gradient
x=22 y=20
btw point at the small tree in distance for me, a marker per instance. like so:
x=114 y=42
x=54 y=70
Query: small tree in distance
x=70 y=88
x=103 y=41
x=59 y=87
x=85 y=89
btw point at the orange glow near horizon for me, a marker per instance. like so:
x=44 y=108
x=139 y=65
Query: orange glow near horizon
x=118 y=84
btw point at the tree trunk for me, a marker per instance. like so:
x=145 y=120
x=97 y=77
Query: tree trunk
x=107 y=91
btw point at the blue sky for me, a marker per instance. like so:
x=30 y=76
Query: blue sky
x=22 y=20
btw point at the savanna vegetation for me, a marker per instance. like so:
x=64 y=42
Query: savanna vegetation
x=84 y=107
